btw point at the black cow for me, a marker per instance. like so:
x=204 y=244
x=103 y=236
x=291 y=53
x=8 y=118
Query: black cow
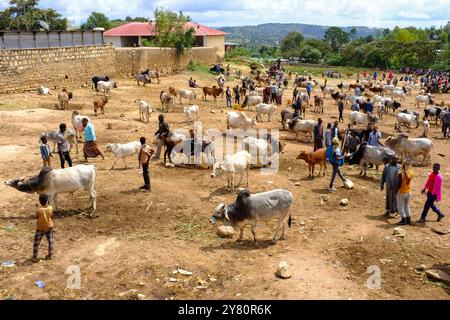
x=96 y=79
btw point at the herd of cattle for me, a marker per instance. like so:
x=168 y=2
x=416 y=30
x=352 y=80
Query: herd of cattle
x=248 y=207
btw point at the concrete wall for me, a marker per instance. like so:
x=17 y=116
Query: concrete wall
x=22 y=70
x=131 y=60
x=217 y=42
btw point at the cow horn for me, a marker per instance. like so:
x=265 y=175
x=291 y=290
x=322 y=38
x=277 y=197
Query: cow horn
x=226 y=214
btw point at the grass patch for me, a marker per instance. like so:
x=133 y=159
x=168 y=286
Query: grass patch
x=196 y=229
x=317 y=70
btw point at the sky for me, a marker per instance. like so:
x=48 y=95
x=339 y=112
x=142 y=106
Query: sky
x=372 y=13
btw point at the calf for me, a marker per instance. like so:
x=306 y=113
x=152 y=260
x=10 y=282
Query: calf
x=237 y=163
x=121 y=151
x=313 y=158
x=144 y=110
x=188 y=111
x=248 y=208
x=100 y=103
x=268 y=109
x=318 y=104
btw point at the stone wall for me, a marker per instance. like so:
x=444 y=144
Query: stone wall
x=131 y=60
x=22 y=70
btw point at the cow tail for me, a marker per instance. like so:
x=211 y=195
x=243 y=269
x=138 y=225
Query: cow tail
x=289 y=220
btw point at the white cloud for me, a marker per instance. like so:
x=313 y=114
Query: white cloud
x=251 y=12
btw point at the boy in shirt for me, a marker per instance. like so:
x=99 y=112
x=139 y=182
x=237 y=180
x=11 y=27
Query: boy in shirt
x=44 y=226
x=45 y=151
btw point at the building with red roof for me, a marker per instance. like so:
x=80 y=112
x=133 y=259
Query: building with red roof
x=132 y=35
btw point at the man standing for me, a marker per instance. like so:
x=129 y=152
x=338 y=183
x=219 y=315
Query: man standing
x=374 y=138
x=433 y=188
x=369 y=106
x=228 y=72
x=318 y=135
x=237 y=95
x=273 y=93
x=341 y=110
x=228 y=96
x=336 y=159
x=308 y=89
x=144 y=159
x=446 y=124
x=162 y=132
x=366 y=133
x=390 y=179
x=297 y=106
x=335 y=131
x=328 y=136
x=63 y=146
x=405 y=177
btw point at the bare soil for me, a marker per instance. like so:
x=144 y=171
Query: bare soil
x=140 y=238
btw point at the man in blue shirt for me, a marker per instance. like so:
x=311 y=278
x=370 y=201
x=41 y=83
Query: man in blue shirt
x=308 y=89
x=369 y=106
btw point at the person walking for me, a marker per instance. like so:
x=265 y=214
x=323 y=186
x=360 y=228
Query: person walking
x=433 y=189
x=145 y=154
x=308 y=89
x=341 y=110
x=318 y=135
x=369 y=107
x=44 y=148
x=162 y=132
x=63 y=146
x=335 y=133
x=228 y=72
x=273 y=93
x=405 y=177
x=336 y=159
x=446 y=124
x=90 y=148
x=44 y=227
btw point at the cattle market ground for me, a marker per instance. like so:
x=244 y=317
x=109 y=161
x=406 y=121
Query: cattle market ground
x=140 y=238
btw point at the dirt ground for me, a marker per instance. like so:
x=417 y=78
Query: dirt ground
x=140 y=238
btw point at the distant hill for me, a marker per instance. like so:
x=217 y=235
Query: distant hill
x=272 y=33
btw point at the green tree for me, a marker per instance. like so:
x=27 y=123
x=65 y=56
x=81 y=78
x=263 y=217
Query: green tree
x=353 y=33
x=375 y=59
x=310 y=54
x=171 y=30
x=321 y=45
x=336 y=38
x=334 y=59
x=291 y=44
x=96 y=20
x=25 y=15
x=404 y=36
x=443 y=38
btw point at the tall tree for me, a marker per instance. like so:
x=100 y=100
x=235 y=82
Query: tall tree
x=353 y=33
x=25 y=15
x=336 y=38
x=291 y=44
x=171 y=30
x=96 y=20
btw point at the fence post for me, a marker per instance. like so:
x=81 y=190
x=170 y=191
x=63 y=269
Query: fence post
x=34 y=39
x=59 y=39
x=48 y=39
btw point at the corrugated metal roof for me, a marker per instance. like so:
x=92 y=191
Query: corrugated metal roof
x=148 y=29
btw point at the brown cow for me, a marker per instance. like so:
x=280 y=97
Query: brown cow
x=214 y=91
x=100 y=103
x=376 y=90
x=318 y=104
x=313 y=158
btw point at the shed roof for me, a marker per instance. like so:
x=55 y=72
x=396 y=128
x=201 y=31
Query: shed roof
x=148 y=29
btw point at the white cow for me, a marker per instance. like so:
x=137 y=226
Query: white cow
x=405 y=146
x=265 y=108
x=44 y=91
x=303 y=126
x=399 y=94
x=363 y=118
x=187 y=94
x=257 y=148
x=52 y=182
x=326 y=90
x=425 y=99
x=250 y=101
x=121 y=151
x=237 y=163
x=407 y=119
x=144 y=110
x=238 y=120
x=106 y=86
x=354 y=99
x=188 y=111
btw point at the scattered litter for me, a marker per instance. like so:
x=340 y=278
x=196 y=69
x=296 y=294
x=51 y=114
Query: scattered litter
x=282 y=271
x=40 y=284
x=270 y=182
x=336 y=263
x=170 y=165
x=201 y=287
x=399 y=232
x=8 y=263
x=173 y=280
x=151 y=203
